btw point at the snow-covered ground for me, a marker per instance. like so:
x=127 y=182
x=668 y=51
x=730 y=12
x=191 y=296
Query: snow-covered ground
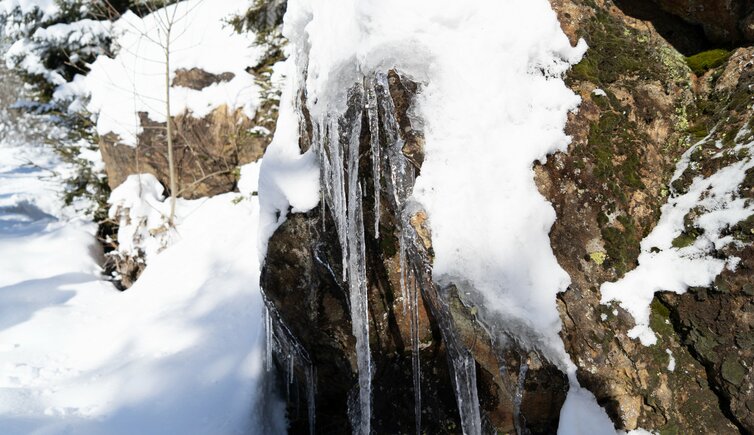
x=180 y=352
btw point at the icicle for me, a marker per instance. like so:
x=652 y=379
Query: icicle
x=311 y=393
x=401 y=173
x=400 y=180
x=464 y=369
x=415 y=357
x=268 y=339
x=318 y=146
x=374 y=134
x=290 y=368
x=331 y=162
x=288 y=376
x=357 y=278
x=523 y=369
x=402 y=265
x=338 y=171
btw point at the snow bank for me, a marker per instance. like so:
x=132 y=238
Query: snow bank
x=289 y=180
x=134 y=81
x=180 y=352
x=663 y=267
x=488 y=118
x=582 y=415
x=38 y=236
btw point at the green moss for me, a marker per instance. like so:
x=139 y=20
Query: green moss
x=705 y=346
x=622 y=246
x=744 y=230
x=706 y=60
x=659 y=321
x=670 y=429
x=749 y=178
x=698 y=132
x=684 y=240
x=586 y=70
x=614 y=51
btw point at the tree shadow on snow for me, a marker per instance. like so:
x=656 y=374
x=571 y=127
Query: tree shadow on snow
x=19 y=302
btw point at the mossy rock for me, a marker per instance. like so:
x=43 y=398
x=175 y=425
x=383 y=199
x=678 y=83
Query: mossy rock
x=659 y=321
x=744 y=230
x=687 y=237
x=707 y=60
x=615 y=51
x=733 y=371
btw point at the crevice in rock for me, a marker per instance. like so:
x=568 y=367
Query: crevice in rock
x=685 y=37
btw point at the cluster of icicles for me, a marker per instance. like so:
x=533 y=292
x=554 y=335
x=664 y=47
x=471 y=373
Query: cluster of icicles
x=336 y=140
x=339 y=163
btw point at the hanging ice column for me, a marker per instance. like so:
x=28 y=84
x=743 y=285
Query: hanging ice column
x=357 y=280
x=400 y=178
x=400 y=181
x=347 y=212
x=337 y=141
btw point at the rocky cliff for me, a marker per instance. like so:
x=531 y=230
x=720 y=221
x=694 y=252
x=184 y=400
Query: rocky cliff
x=644 y=104
x=608 y=189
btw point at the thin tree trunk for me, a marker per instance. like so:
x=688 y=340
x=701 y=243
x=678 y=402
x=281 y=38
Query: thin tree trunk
x=171 y=160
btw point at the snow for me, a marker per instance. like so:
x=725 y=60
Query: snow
x=33 y=241
x=81 y=32
x=30 y=51
x=489 y=223
x=139 y=207
x=288 y=180
x=663 y=267
x=134 y=81
x=180 y=352
x=48 y=8
x=671 y=360
x=582 y=415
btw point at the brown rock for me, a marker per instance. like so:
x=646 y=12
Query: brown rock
x=208 y=152
x=198 y=79
x=607 y=191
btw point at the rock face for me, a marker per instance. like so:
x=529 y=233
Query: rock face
x=607 y=191
x=208 y=152
x=642 y=108
x=303 y=282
